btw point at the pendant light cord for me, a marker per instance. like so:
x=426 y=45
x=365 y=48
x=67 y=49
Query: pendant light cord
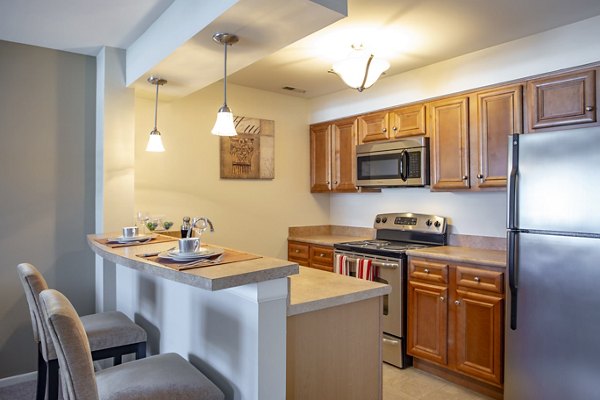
x=225 y=78
x=156 y=108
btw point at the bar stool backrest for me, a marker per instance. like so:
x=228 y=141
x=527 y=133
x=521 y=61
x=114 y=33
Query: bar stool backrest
x=34 y=283
x=72 y=346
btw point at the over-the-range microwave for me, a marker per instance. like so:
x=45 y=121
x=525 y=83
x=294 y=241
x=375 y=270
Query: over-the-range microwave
x=393 y=163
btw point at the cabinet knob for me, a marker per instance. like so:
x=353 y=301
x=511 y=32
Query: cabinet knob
x=426 y=270
x=296 y=251
x=477 y=279
x=589 y=108
x=384 y=130
x=442 y=298
x=464 y=178
x=394 y=129
x=335 y=183
x=480 y=176
x=322 y=255
x=457 y=302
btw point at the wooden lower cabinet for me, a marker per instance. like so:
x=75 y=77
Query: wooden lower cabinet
x=459 y=324
x=311 y=255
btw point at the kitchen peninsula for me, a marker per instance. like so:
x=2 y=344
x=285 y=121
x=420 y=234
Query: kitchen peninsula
x=262 y=328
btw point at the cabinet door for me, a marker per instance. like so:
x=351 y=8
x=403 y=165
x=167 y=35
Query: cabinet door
x=449 y=130
x=320 y=158
x=408 y=121
x=479 y=335
x=499 y=114
x=373 y=127
x=560 y=100
x=344 y=155
x=428 y=322
x=321 y=257
x=299 y=253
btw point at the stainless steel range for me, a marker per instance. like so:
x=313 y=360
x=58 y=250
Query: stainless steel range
x=395 y=233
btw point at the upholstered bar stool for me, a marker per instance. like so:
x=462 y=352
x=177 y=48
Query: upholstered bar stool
x=162 y=377
x=111 y=334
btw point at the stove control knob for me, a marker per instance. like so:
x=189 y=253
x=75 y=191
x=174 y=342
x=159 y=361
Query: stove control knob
x=437 y=224
x=428 y=222
x=384 y=220
x=377 y=220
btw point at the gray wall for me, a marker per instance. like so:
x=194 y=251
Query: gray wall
x=47 y=101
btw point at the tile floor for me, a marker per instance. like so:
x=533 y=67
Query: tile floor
x=413 y=384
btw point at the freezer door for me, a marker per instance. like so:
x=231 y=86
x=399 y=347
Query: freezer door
x=557 y=184
x=554 y=353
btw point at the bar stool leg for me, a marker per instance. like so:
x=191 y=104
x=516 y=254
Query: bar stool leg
x=40 y=392
x=140 y=351
x=53 y=380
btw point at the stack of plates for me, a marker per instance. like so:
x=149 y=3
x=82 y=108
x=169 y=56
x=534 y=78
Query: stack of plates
x=133 y=239
x=203 y=252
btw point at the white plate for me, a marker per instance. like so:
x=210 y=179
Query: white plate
x=203 y=252
x=139 y=238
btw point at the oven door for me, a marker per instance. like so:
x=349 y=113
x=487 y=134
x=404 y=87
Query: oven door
x=390 y=271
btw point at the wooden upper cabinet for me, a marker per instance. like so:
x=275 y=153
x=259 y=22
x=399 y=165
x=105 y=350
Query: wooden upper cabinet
x=407 y=121
x=343 y=169
x=499 y=114
x=392 y=124
x=333 y=156
x=448 y=125
x=559 y=100
x=320 y=158
x=373 y=127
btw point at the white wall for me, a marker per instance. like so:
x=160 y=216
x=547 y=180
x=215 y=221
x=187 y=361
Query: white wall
x=469 y=213
x=46 y=184
x=251 y=215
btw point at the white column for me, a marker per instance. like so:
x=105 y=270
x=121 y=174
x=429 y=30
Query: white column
x=115 y=136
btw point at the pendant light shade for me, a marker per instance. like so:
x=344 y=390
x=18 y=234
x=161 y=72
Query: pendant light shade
x=224 y=125
x=155 y=144
x=361 y=70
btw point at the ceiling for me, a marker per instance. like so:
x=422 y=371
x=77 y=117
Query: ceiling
x=408 y=33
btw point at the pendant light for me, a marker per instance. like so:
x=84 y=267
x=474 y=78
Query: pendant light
x=361 y=70
x=224 y=125
x=154 y=141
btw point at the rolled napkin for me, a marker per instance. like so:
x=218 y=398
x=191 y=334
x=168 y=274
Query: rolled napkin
x=365 y=269
x=340 y=266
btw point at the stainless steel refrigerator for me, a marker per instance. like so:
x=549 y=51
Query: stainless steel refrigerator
x=552 y=343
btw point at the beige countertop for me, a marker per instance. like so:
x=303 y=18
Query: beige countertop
x=328 y=235
x=313 y=290
x=490 y=258
x=215 y=277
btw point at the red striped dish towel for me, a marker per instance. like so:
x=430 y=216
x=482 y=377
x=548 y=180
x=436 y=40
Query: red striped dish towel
x=365 y=269
x=340 y=266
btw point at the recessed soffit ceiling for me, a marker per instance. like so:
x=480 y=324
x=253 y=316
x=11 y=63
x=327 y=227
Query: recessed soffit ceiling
x=409 y=33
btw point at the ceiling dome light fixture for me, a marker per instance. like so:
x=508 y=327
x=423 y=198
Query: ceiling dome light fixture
x=361 y=70
x=155 y=144
x=224 y=125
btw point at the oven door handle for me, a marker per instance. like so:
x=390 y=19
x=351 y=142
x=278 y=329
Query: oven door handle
x=375 y=263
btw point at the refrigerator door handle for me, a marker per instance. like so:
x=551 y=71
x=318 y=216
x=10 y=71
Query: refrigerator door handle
x=513 y=176
x=513 y=270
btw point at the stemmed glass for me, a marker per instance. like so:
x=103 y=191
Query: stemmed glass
x=142 y=218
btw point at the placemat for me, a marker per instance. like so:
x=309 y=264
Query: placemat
x=229 y=256
x=158 y=238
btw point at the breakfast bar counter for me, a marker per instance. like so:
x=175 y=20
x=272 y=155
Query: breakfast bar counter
x=210 y=277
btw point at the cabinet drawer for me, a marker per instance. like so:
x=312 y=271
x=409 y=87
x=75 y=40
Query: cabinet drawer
x=482 y=279
x=321 y=255
x=298 y=250
x=428 y=271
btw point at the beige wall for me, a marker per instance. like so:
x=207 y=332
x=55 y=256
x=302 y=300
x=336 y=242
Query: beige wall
x=47 y=186
x=252 y=215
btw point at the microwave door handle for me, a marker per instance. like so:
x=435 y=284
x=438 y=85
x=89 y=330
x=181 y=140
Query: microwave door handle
x=404 y=165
